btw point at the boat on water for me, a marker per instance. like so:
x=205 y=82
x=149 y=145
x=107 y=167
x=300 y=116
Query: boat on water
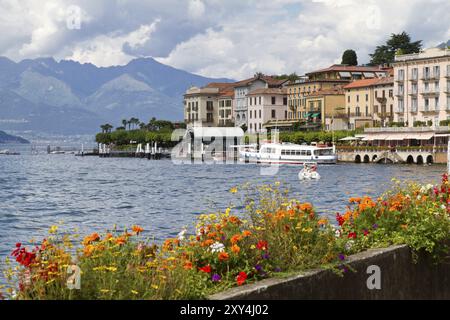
x=9 y=153
x=309 y=172
x=288 y=153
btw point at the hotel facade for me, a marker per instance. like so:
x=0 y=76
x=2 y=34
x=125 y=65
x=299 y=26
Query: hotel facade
x=422 y=88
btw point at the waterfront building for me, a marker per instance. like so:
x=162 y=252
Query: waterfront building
x=369 y=102
x=241 y=90
x=201 y=105
x=264 y=105
x=225 y=107
x=422 y=87
x=332 y=78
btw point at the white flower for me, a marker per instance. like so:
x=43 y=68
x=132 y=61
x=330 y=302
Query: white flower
x=443 y=207
x=349 y=244
x=217 y=247
x=181 y=235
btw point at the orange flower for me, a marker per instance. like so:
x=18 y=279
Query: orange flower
x=235 y=239
x=322 y=222
x=246 y=233
x=207 y=243
x=137 y=229
x=187 y=265
x=108 y=236
x=223 y=256
x=305 y=207
x=212 y=235
x=234 y=220
x=235 y=248
x=121 y=240
x=88 y=250
x=354 y=200
x=89 y=239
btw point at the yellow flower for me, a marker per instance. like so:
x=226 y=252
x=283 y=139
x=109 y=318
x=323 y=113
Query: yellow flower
x=234 y=190
x=253 y=247
x=53 y=229
x=104 y=290
x=227 y=212
x=295 y=248
x=154 y=286
x=307 y=230
x=134 y=292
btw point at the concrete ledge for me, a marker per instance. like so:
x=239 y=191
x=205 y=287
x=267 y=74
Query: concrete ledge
x=401 y=278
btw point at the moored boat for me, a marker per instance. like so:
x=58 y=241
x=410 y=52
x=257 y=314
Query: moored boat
x=289 y=153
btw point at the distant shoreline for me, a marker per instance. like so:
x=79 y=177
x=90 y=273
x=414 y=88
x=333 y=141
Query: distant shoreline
x=10 y=139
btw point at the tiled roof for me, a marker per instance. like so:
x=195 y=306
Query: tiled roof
x=327 y=92
x=262 y=91
x=369 y=82
x=220 y=85
x=343 y=68
x=269 y=80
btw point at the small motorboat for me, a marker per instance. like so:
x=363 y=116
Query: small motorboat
x=8 y=153
x=309 y=172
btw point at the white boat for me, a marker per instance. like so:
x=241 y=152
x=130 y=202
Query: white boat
x=8 y=153
x=288 y=153
x=309 y=172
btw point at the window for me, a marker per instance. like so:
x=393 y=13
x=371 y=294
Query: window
x=273 y=114
x=376 y=94
x=436 y=103
x=357 y=98
x=414 y=104
x=285 y=115
x=437 y=71
x=209 y=117
x=348 y=99
x=260 y=114
x=367 y=111
x=427 y=104
x=209 y=106
x=259 y=100
x=285 y=101
x=414 y=73
x=273 y=100
x=251 y=126
x=367 y=97
x=401 y=75
x=358 y=112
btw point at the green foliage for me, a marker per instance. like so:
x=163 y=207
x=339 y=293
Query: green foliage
x=300 y=137
x=350 y=58
x=397 y=44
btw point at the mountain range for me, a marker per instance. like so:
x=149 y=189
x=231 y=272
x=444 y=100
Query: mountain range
x=6 y=138
x=68 y=97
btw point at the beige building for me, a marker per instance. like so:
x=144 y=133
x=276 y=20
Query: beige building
x=225 y=107
x=201 y=105
x=369 y=102
x=332 y=78
x=422 y=87
x=264 y=105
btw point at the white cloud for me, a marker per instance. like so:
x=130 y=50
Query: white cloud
x=196 y=9
x=310 y=34
x=106 y=50
x=232 y=38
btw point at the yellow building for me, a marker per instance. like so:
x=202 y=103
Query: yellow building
x=329 y=79
x=368 y=102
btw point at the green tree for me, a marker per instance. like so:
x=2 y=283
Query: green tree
x=124 y=123
x=350 y=58
x=398 y=43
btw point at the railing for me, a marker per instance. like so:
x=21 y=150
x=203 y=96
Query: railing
x=430 y=76
x=406 y=129
x=414 y=56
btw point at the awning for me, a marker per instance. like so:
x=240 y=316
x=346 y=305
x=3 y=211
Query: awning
x=373 y=137
x=420 y=136
x=315 y=115
x=345 y=74
x=399 y=136
x=349 y=139
x=369 y=75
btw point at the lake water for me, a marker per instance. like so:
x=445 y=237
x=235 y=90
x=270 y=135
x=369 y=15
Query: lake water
x=93 y=194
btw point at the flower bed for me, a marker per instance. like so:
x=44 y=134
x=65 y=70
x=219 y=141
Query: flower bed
x=274 y=236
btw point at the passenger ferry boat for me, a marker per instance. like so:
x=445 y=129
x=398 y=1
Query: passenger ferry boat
x=288 y=153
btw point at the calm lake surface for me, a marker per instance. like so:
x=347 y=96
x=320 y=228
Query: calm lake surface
x=93 y=194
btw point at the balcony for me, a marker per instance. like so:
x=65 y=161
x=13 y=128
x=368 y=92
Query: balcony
x=414 y=78
x=430 y=92
x=430 y=109
x=414 y=109
x=399 y=110
x=430 y=76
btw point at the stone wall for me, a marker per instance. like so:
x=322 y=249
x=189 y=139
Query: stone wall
x=401 y=278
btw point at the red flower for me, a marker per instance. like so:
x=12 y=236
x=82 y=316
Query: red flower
x=366 y=232
x=206 y=269
x=352 y=235
x=22 y=256
x=340 y=219
x=241 y=278
x=262 y=245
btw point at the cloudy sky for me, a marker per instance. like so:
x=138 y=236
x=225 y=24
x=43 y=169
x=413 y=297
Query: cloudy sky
x=217 y=38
